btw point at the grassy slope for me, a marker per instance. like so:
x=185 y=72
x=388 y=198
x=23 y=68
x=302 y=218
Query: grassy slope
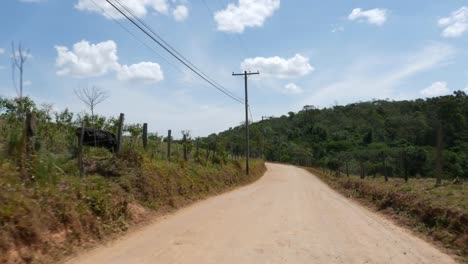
x=441 y=213
x=43 y=221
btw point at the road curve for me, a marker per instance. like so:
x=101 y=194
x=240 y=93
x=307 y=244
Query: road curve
x=288 y=216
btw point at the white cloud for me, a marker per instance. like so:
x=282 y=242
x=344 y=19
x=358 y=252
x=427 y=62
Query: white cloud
x=247 y=13
x=91 y=60
x=86 y=60
x=466 y=89
x=144 y=71
x=278 y=67
x=456 y=24
x=159 y=5
x=292 y=88
x=436 y=89
x=27 y=83
x=138 y=7
x=374 y=16
x=180 y=13
x=2 y=51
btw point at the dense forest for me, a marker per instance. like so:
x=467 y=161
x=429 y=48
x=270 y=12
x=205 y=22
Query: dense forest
x=393 y=138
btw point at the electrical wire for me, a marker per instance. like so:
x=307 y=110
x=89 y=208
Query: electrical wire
x=139 y=40
x=158 y=39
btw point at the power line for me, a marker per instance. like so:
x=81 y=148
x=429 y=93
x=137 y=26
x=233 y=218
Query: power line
x=243 y=49
x=134 y=36
x=172 y=51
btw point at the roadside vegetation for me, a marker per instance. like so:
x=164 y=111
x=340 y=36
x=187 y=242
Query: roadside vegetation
x=47 y=211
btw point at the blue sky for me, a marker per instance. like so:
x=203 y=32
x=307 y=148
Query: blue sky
x=318 y=53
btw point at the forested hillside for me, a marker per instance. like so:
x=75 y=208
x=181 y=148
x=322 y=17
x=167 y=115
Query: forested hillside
x=393 y=137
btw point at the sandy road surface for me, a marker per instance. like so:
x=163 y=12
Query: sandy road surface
x=288 y=216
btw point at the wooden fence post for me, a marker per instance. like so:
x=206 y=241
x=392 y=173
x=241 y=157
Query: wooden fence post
x=80 y=159
x=185 y=147
x=439 y=157
x=145 y=136
x=169 y=145
x=31 y=129
x=119 y=135
x=347 y=168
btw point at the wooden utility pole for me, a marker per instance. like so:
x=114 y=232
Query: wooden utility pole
x=246 y=101
x=120 y=131
x=439 y=157
x=145 y=136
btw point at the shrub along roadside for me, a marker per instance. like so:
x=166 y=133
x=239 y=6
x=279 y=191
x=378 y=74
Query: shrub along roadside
x=440 y=213
x=44 y=221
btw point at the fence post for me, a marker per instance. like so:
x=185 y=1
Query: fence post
x=185 y=147
x=31 y=129
x=439 y=157
x=80 y=159
x=119 y=133
x=145 y=136
x=169 y=145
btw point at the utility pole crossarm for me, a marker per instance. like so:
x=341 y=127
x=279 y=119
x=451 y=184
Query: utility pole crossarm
x=246 y=101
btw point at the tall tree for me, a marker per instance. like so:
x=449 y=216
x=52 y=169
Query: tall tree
x=91 y=97
x=19 y=56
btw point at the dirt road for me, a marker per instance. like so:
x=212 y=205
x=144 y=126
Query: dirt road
x=288 y=216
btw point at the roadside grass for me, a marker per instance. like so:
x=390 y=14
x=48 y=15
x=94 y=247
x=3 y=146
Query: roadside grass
x=50 y=216
x=441 y=213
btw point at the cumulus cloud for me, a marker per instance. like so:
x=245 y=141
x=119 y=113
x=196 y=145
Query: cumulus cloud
x=456 y=24
x=374 y=16
x=180 y=13
x=247 y=13
x=292 y=88
x=91 y=60
x=2 y=51
x=278 y=67
x=138 y=7
x=86 y=60
x=144 y=71
x=436 y=89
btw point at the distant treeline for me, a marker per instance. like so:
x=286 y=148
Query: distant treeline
x=396 y=138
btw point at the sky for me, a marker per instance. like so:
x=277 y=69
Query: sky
x=320 y=53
